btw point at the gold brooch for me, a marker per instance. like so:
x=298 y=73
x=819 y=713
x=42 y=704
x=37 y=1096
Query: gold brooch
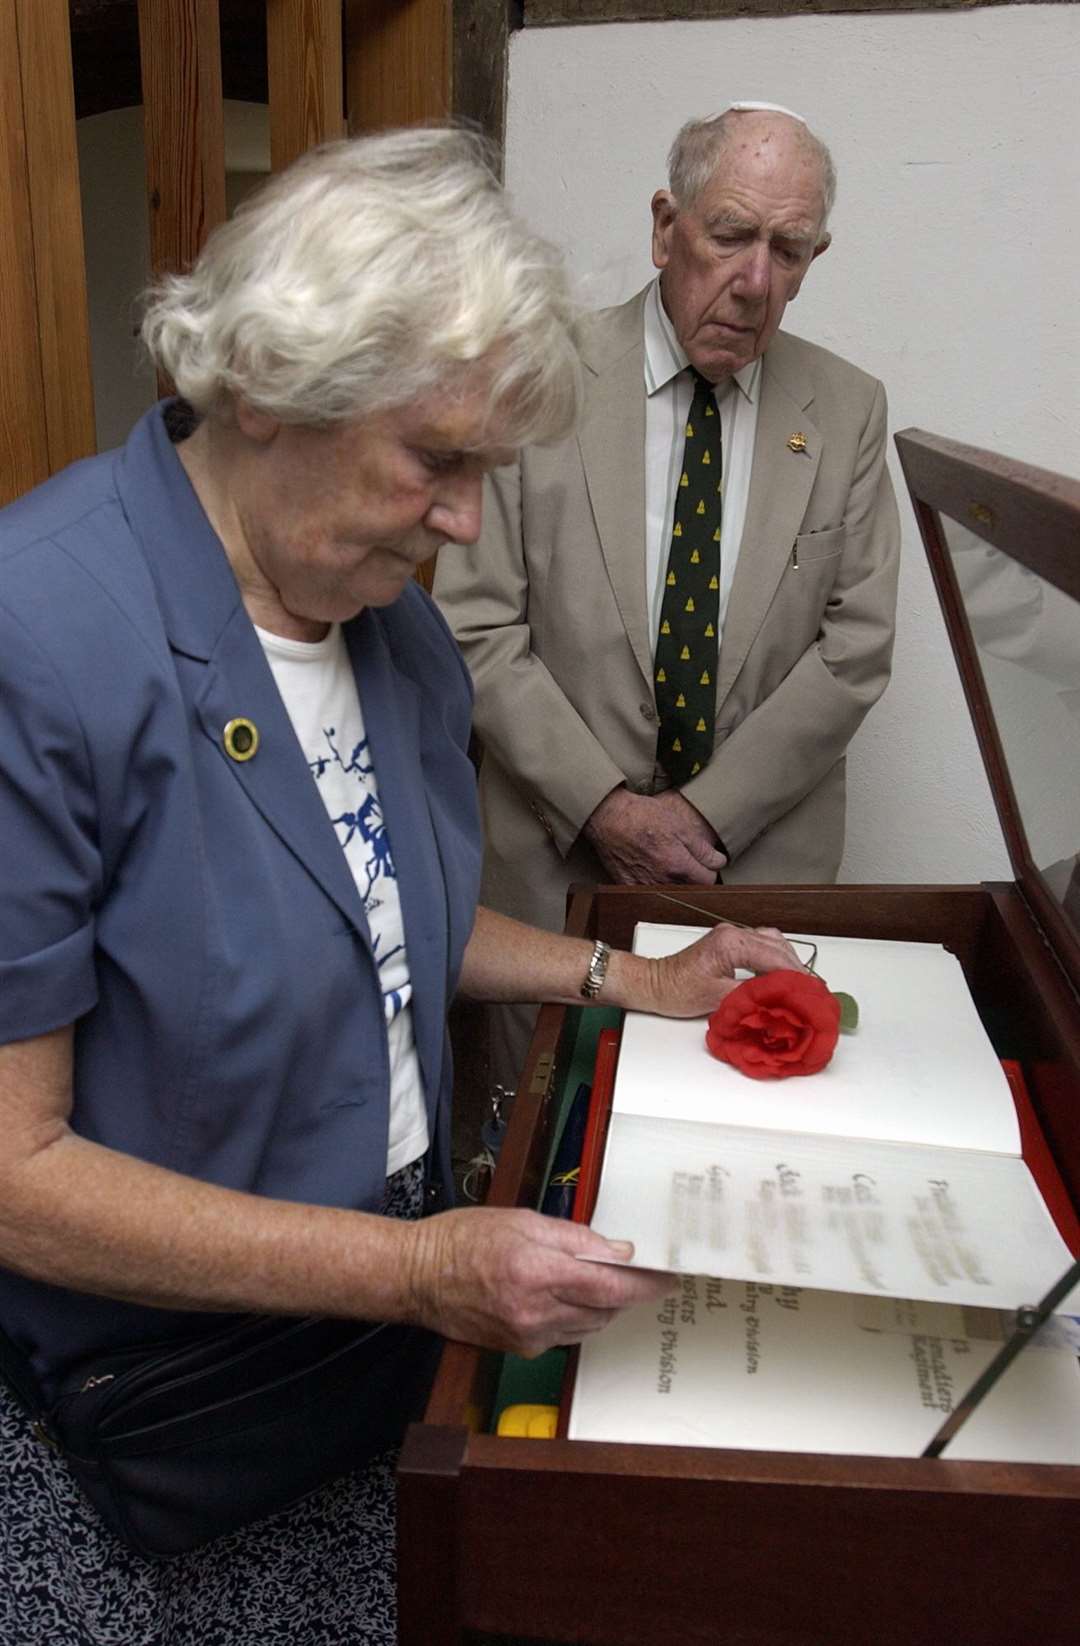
x=796 y=442
x=241 y=739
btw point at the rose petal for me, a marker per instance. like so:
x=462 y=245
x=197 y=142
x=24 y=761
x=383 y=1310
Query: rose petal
x=775 y=1025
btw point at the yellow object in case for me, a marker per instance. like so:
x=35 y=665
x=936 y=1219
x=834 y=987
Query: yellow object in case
x=528 y=1420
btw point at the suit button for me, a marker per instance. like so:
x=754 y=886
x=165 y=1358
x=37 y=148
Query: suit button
x=647 y=711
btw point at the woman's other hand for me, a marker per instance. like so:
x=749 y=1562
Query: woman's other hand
x=514 y=1280
x=693 y=982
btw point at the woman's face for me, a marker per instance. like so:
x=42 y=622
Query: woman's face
x=335 y=520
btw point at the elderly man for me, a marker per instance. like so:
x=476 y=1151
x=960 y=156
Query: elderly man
x=677 y=619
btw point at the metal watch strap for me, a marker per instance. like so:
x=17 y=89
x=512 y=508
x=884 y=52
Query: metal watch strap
x=593 y=981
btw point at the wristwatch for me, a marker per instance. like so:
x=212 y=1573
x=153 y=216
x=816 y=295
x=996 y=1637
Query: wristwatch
x=593 y=981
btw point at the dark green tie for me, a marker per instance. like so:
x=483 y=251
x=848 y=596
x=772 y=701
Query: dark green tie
x=685 y=667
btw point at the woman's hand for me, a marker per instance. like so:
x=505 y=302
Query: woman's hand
x=693 y=982
x=514 y=1280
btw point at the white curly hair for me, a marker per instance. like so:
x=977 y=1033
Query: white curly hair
x=368 y=274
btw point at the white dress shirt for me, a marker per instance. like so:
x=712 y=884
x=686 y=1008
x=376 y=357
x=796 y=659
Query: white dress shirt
x=669 y=389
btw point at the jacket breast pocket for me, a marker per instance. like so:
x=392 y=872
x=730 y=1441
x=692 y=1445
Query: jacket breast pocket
x=809 y=548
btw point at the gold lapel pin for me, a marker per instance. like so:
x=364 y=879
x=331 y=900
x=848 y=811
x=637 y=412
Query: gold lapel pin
x=241 y=739
x=796 y=442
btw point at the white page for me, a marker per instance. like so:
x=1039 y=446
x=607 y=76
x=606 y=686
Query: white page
x=847 y=1215
x=775 y=1369
x=919 y=1068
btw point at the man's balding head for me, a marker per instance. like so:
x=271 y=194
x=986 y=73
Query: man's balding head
x=700 y=148
x=736 y=231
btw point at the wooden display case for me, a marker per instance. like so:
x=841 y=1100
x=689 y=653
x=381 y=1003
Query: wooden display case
x=632 y=1545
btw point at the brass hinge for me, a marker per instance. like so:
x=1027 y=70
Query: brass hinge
x=541 y=1075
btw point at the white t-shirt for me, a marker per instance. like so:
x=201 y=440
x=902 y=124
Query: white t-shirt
x=318 y=687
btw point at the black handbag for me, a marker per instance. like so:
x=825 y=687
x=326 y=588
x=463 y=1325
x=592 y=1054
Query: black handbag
x=176 y=1448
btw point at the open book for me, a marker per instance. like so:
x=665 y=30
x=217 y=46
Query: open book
x=846 y=1240
x=895 y=1172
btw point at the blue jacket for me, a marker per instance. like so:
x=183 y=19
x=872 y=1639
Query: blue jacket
x=193 y=916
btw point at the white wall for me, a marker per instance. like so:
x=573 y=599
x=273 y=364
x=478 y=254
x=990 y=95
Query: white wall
x=952 y=276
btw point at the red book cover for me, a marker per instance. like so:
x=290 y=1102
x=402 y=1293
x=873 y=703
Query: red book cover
x=592 y=1150
x=1039 y=1160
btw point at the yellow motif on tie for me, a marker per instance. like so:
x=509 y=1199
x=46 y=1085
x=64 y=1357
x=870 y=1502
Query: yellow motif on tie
x=695 y=559
x=695 y=768
x=671 y=580
x=709 y=412
x=701 y=507
x=680 y=701
x=684 y=655
x=689 y=607
x=689 y=431
x=710 y=632
x=677 y=745
x=705 y=458
x=714 y=582
x=665 y=627
x=661 y=677
x=685 y=479
x=704 y=681
x=700 y=727
x=678 y=530
x=716 y=535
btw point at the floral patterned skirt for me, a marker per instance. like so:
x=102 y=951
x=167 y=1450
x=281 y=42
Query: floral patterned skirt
x=320 y=1573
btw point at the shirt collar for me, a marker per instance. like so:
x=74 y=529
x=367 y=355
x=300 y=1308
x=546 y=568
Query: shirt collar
x=665 y=357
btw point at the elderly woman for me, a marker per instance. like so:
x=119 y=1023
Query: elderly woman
x=241 y=865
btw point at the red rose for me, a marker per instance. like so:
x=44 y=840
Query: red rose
x=777 y=1024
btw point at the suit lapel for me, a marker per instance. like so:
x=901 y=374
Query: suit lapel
x=205 y=622
x=781 y=481
x=276 y=780
x=612 y=446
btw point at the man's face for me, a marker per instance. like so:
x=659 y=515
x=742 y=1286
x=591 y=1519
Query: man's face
x=732 y=260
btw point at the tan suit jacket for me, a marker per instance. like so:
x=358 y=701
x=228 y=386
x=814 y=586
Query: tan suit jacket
x=550 y=609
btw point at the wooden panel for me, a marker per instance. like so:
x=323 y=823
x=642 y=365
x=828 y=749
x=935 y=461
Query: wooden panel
x=629 y=1546
x=180 y=51
x=427 y=1610
x=621 y=1545
x=52 y=163
x=105 y=49
x=397 y=73
x=305 y=76
x=24 y=455
x=1030 y=514
x=397 y=62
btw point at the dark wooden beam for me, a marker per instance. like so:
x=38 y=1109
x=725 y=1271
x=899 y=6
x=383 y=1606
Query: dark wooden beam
x=482 y=30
